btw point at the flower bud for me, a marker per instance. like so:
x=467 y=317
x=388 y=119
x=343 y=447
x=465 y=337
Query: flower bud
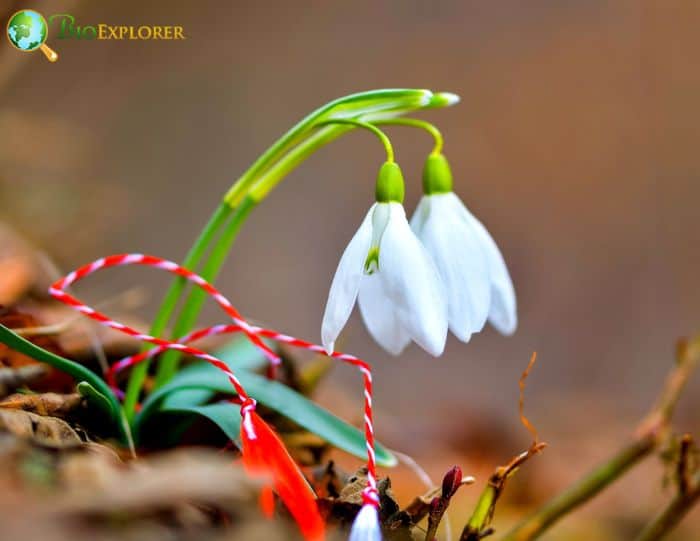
x=451 y=482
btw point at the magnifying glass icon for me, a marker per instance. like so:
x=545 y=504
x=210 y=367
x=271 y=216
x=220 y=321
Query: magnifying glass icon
x=27 y=31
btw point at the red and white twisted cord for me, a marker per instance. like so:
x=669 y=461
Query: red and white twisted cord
x=57 y=290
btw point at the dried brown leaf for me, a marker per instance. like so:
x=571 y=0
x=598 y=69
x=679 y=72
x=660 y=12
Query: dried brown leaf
x=53 y=404
x=13 y=378
x=45 y=431
x=108 y=486
x=328 y=481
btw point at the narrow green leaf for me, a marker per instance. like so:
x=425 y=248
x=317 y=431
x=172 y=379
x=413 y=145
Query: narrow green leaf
x=186 y=397
x=96 y=398
x=277 y=397
x=78 y=371
x=238 y=354
x=225 y=415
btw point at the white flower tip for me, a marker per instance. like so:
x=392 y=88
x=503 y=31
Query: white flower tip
x=435 y=347
x=394 y=349
x=506 y=328
x=462 y=335
x=503 y=315
x=366 y=525
x=328 y=343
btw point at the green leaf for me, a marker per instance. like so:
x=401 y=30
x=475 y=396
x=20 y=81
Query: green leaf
x=275 y=396
x=238 y=354
x=225 y=415
x=95 y=385
x=96 y=398
x=186 y=397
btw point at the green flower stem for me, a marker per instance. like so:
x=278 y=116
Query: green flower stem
x=367 y=126
x=355 y=105
x=293 y=159
x=168 y=364
x=138 y=374
x=329 y=130
x=265 y=173
x=416 y=123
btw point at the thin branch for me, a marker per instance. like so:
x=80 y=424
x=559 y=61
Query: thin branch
x=478 y=526
x=521 y=403
x=683 y=470
x=669 y=518
x=647 y=438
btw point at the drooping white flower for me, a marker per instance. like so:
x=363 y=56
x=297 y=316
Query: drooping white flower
x=366 y=527
x=389 y=272
x=476 y=279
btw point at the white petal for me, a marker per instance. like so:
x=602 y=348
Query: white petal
x=503 y=311
x=379 y=315
x=346 y=283
x=413 y=284
x=420 y=215
x=456 y=249
x=366 y=527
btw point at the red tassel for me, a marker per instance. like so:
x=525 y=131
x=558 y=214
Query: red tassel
x=264 y=455
x=267 y=502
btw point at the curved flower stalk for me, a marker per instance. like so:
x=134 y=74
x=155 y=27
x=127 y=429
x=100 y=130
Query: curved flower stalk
x=389 y=273
x=476 y=279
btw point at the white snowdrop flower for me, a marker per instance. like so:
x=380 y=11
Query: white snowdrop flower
x=366 y=527
x=391 y=275
x=471 y=266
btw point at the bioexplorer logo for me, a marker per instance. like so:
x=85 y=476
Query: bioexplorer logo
x=27 y=31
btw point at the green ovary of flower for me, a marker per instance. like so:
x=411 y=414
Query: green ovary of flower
x=437 y=175
x=390 y=185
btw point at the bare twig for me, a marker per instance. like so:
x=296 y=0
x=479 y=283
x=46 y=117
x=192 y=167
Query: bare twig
x=478 y=526
x=647 y=438
x=521 y=403
x=669 y=518
x=683 y=469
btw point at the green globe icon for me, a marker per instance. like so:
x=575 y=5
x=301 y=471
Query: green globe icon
x=27 y=31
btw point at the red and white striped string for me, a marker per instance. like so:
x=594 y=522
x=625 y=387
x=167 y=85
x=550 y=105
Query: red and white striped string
x=57 y=290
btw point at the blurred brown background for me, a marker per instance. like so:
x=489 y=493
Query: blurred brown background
x=575 y=142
